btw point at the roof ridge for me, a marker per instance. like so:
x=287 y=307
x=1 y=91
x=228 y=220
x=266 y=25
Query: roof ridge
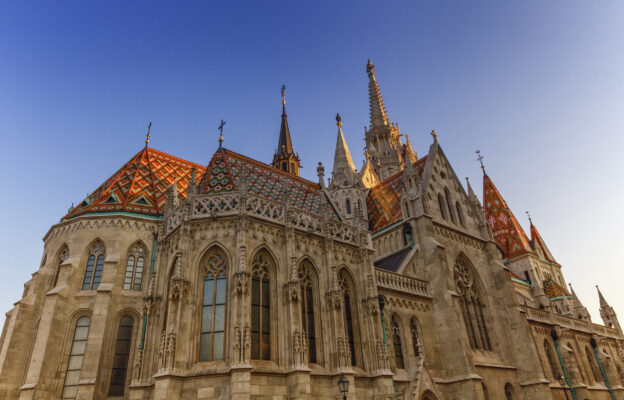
x=135 y=177
x=175 y=157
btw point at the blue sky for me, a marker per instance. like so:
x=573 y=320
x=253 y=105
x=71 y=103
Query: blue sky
x=537 y=86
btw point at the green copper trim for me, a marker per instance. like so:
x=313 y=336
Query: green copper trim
x=604 y=376
x=131 y=214
x=565 y=373
x=149 y=280
x=386 y=228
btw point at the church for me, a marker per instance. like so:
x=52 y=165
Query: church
x=242 y=280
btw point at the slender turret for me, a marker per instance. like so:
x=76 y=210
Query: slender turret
x=285 y=157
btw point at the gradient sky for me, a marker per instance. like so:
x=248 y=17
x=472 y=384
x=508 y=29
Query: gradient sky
x=537 y=86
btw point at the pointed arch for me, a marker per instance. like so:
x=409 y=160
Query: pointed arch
x=472 y=305
x=550 y=358
x=416 y=336
x=348 y=206
x=263 y=267
x=449 y=204
x=214 y=268
x=460 y=214
x=95 y=265
x=121 y=358
x=61 y=256
x=397 y=345
x=442 y=206
x=593 y=364
x=135 y=266
x=574 y=354
x=350 y=317
x=308 y=284
x=80 y=335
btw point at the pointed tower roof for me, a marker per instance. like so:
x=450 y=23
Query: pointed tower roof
x=141 y=186
x=378 y=113
x=603 y=302
x=285 y=157
x=508 y=233
x=343 y=163
x=410 y=154
x=538 y=242
x=471 y=194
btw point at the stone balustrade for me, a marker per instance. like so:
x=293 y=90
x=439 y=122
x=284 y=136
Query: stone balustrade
x=402 y=283
x=544 y=316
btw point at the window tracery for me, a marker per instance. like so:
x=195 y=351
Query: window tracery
x=306 y=282
x=95 y=265
x=415 y=336
x=76 y=356
x=261 y=307
x=134 y=268
x=399 y=361
x=212 y=339
x=472 y=306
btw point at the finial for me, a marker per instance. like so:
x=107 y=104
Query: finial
x=338 y=120
x=147 y=135
x=221 y=134
x=480 y=159
x=283 y=94
x=435 y=136
x=529 y=215
x=370 y=68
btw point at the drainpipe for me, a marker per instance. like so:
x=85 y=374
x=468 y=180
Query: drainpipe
x=592 y=341
x=382 y=300
x=555 y=337
x=154 y=243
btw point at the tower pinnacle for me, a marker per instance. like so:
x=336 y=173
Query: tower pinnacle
x=285 y=157
x=378 y=113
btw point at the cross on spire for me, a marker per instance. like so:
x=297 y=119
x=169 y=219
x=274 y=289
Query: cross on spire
x=147 y=135
x=480 y=159
x=221 y=134
x=283 y=94
x=529 y=215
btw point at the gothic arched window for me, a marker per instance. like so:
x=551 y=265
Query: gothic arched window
x=460 y=214
x=76 y=356
x=415 y=336
x=134 y=268
x=261 y=266
x=593 y=364
x=122 y=355
x=349 y=314
x=442 y=206
x=509 y=391
x=449 y=204
x=212 y=340
x=399 y=362
x=472 y=305
x=307 y=281
x=348 y=206
x=548 y=350
x=95 y=265
x=63 y=255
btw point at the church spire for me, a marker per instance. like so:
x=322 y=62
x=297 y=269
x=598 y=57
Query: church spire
x=538 y=243
x=378 y=113
x=285 y=157
x=603 y=302
x=344 y=169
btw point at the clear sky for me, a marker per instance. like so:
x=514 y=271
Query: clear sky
x=537 y=86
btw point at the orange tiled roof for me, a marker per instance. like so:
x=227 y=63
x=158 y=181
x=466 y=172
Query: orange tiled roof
x=384 y=208
x=553 y=289
x=508 y=233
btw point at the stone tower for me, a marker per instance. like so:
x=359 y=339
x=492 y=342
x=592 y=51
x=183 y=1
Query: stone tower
x=607 y=313
x=285 y=157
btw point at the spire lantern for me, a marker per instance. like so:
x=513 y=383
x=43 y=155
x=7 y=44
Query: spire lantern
x=285 y=158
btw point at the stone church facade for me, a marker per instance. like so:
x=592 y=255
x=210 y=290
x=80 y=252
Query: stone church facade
x=241 y=280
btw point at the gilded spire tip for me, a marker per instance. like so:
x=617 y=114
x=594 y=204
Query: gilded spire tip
x=147 y=135
x=338 y=120
x=283 y=94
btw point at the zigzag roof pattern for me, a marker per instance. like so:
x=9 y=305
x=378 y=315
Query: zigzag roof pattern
x=382 y=202
x=554 y=290
x=224 y=174
x=141 y=186
x=508 y=233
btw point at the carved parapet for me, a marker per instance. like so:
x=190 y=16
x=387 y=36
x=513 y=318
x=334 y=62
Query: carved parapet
x=402 y=283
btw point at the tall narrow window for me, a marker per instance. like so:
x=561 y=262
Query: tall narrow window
x=134 y=268
x=348 y=206
x=415 y=336
x=509 y=391
x=460 y=214
x=471 y=305
x=261 y=307
x=212 y=338
x=449 y=204
x=76 y=355
x=396 y=343
x=95 y=264
x=307 y=307
x=442 y=206
x=347 y=291
x=62 y=257
x=551 y=360
x=120 y=361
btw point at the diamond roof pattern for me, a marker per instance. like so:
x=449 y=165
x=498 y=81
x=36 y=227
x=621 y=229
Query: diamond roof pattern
x=224 y=175
x=508 y=233
x=141 y=186
x=384 y=208
x=553 y=289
